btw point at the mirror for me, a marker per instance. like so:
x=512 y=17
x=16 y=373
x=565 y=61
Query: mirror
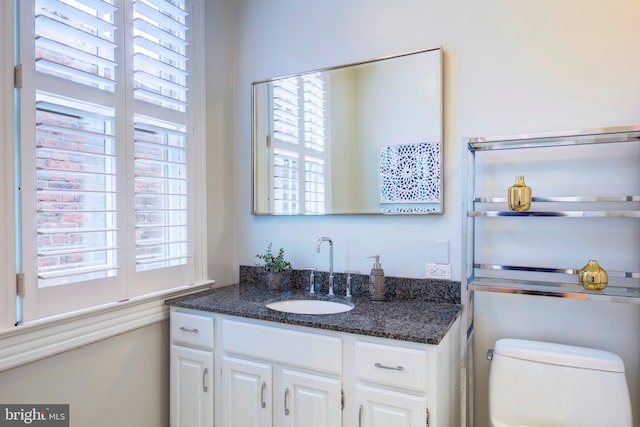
x=363 y=138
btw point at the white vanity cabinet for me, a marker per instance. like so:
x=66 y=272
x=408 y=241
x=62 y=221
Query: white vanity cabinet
x=275 y=374
x=382 y=407
x=247 y=392
x=191 y=370
x=399 y=383
x=310 y=400
x=390 y=368
x=301 y=400
x=281 y=377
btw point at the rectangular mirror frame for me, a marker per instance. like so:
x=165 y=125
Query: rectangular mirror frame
x=403 y=171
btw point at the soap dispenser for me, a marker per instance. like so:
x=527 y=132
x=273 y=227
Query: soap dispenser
x=377 y=288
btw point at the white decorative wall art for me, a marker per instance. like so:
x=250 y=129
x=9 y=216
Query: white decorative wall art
x=410 y=173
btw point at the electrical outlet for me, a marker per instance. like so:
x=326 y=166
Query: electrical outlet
x=437 y=271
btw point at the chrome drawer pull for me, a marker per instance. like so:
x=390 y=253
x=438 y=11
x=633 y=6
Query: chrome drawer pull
x=286 y=396
x=205 y=373
x=395 y=368
x=194 y=330
x=263 y=404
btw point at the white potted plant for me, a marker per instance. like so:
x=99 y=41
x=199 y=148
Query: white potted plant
x=275 y=265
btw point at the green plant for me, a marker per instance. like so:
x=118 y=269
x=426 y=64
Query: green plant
x=275 y=264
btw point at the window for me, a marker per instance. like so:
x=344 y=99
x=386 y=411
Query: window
x=106 y=150
x=300 y=144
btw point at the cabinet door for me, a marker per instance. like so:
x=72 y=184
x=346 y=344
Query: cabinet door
x=376 y=407
x=246 y=393
x=191 y=387
x=310 y=400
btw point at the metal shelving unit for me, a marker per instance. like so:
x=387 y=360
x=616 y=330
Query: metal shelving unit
x=555 y=281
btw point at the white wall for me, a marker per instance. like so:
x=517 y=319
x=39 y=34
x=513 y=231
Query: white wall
x=509 y=68
x=343 y=198
x=120 y=381
x=220 y=116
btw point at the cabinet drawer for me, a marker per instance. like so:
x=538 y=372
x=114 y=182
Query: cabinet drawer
x=191 y=329
x=395 y=366
x=292 y=347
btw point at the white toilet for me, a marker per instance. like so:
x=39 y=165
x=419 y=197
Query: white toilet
x=537 y=384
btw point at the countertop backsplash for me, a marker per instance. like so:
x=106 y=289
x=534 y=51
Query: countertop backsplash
x=428 y=290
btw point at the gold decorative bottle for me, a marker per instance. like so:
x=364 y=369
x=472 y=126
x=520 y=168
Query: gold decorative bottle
x=592 y=276
x=519 y=195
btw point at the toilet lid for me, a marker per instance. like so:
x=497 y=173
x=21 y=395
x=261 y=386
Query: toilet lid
x=559 y=354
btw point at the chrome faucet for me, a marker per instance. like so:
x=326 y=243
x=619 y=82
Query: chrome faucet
x=318 y=243
x=349 y=273
x=312 y=279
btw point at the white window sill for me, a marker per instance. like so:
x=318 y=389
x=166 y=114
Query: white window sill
x=37 y=340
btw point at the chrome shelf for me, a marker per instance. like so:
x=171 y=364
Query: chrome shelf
x=625 y=286
x=611 y=212
x=563 y=199
x=570 y=214
x=553 y=289
x=573 y=271
x=556 y=139
x=483 y=276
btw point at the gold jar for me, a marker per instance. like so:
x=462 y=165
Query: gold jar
x=592 y=276
x=519 y=195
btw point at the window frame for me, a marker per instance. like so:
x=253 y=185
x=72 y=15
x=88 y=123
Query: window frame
x=7 y=171
x=25 y=342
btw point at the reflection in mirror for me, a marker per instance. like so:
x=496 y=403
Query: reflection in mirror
x=364 y=138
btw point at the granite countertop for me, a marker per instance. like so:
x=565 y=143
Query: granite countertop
x=412 y=320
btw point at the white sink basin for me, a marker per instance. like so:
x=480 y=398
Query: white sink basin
x=309 y=306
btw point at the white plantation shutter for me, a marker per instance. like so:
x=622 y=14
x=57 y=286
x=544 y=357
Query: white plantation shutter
x=160 y=54
x=75 y=191
x=314 y=111
x=75 y=141
x=160 y=90
x=106 y=157
x=286 y=189
x=314 y=185
x=300 y=154
x=162 y=235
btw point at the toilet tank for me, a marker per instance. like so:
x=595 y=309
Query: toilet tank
x=534 y=383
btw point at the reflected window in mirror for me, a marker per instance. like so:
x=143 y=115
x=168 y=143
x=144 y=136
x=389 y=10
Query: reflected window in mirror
x=298 y=144
x=363 y=138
